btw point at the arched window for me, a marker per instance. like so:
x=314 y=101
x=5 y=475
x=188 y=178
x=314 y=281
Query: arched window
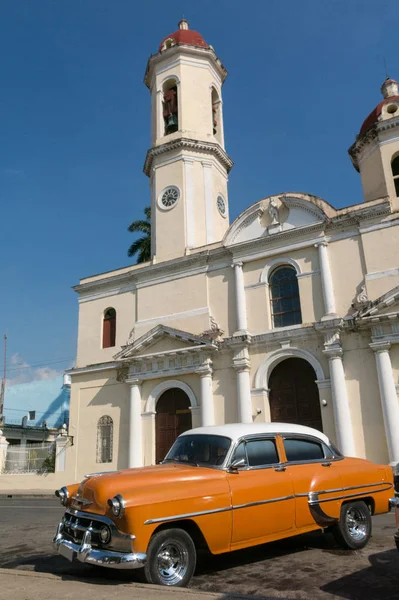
x=170 y=109
x=216 y=117
x=284 y=297
x=105 y=435
x=109 y=328
x=395 y=173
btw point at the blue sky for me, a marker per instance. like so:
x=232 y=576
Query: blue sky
x=75 y=127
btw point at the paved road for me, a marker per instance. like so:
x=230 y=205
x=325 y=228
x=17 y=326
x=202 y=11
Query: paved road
x=307 y=567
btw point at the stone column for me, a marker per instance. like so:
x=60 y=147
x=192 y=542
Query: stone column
x=61 y=443
x=326 y=281
x=241 y=364
x=207 y=408
x=241 y=307
x=3 y=451
x=389 y=398
x=342 y=416
x=135 y=429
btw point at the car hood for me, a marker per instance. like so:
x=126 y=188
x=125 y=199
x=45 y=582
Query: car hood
x=142 y=484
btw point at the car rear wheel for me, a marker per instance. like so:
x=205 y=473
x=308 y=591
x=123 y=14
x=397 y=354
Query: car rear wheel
x=171 y=558
x=353 y=530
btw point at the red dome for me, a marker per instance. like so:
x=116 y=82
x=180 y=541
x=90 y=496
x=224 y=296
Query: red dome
x=373 y=116
x=186 y=36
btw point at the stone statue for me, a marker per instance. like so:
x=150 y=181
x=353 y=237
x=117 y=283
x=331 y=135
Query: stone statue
x=273 y=212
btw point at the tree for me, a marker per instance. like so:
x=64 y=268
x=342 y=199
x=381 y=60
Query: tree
x=142 y=246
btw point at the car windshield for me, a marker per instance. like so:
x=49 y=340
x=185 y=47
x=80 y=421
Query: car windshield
x=200 y=450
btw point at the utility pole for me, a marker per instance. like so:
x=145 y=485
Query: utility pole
x=3 y=382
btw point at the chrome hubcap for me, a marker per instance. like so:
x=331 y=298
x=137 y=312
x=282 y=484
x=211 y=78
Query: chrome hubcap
x=172 y=562
x=356 y=524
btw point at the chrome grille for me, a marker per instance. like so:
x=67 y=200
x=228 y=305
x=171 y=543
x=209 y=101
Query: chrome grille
x=75 y=527
x=76 y=523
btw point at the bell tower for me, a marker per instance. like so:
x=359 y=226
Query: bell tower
x=187 y=164
x=375 y=154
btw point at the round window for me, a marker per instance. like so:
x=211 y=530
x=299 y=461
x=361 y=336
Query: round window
x=392 y=108
x=221 y=204
x=169 y=197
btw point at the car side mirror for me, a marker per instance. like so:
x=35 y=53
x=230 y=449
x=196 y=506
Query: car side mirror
x=239 y=463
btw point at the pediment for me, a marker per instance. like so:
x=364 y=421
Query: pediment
x=277 y=214
x=386 y=304
x=163 y=340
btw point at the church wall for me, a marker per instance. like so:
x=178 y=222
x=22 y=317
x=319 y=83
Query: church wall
x=224 y=389
x=170 y=224
x=364 y=398
x=196 y=100
x=219 y=182
x=221 y=298
x=258 y=309
x=381 y=254
x=347 y=272
x=199 y=225
x=372 y=176
x=90 y=327
x=93 y=396
x=174 y=296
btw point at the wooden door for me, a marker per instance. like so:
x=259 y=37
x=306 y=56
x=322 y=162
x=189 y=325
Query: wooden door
x=294 y=397
x=173 y=418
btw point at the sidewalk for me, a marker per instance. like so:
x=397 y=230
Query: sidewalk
x=27 y=585
x=27 y=493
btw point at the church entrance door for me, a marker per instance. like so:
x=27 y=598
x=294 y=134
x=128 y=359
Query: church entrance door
x=294 y=397
x=173 y=417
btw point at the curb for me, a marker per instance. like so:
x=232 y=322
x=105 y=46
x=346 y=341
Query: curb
x=161 y=590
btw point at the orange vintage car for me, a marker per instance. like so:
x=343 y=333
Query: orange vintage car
x=221 y=488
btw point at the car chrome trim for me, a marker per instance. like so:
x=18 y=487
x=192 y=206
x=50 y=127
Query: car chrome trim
x=187 y=515
x=393 y=502
x=80 y=500
x=259 y=502
x=85 y=553
x=73 y=518
x=217 y=510
x=318 y=501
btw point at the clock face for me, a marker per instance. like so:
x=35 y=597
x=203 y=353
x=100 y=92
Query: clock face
x=221 y=204
x=169 y=197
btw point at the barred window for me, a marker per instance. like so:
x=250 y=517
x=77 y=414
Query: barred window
x=105 y=435
x=284 y=297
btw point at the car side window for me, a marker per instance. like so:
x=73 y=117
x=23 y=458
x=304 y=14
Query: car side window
x=298 y=450
x=240 y=453
x=262 y=453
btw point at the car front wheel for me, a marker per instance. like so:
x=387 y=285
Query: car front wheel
x=353 y=530
x=171 y=558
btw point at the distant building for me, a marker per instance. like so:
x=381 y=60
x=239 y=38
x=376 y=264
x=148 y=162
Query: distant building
x=35 y=411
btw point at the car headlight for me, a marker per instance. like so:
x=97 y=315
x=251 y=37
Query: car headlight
x=105 y=534
x=117 y=505
x=63 y=495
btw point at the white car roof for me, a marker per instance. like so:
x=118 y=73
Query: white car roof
x=238 y=430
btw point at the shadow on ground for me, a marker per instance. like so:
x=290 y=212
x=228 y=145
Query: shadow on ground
x=379 y=581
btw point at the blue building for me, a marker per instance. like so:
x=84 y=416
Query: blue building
x=35 y=411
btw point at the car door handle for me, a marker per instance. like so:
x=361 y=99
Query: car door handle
x=326 y=464
x=280 y=468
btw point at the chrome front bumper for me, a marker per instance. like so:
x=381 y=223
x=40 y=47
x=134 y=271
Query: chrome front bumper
x=85 y=553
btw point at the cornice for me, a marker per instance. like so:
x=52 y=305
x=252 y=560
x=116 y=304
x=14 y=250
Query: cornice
x=94 y=368
x=180 y=48
x=187 y=144
x=368 y=136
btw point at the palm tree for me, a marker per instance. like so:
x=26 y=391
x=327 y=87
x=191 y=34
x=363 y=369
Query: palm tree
x=142 y=246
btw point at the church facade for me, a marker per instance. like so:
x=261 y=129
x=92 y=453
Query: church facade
x=290 y=313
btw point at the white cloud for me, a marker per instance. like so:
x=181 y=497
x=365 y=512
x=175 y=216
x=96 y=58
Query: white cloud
x=22 y=372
